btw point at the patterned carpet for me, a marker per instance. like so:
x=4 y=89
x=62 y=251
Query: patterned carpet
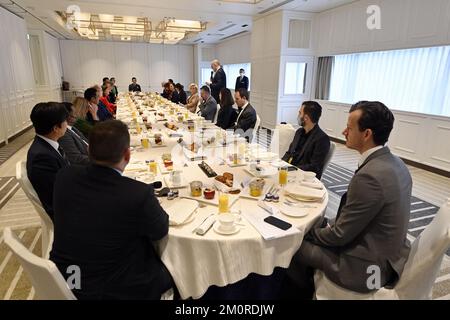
x=13 y=146
x=337 y=178
x=17 y=212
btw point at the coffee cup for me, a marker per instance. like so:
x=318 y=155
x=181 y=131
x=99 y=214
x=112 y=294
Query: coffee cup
x=227 y=222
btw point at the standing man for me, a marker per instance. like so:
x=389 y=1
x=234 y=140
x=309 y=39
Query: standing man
x=218 y=79
x=134 y=86
x=241 y=81
x=45 y=156
x=372 y=220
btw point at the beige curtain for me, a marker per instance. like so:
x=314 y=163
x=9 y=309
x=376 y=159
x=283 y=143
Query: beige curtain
x=323 y=82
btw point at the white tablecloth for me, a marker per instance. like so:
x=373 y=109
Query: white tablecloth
x=198 y=262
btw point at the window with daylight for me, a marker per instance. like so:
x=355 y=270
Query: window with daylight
x=416 y=80
x=232 y=72
x=294 y=78
x=206 y=76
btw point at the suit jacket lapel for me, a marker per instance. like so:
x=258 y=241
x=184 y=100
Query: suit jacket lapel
x=49 y=147
x=377 y=153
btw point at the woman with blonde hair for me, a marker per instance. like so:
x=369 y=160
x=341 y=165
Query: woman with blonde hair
x=86 y=115
x=193 y=99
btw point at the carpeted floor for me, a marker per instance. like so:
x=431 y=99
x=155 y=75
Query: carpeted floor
x=17 y=212
x=14 y=283
x=12 y=147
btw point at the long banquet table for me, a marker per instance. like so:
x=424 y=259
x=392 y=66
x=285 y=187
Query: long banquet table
x=197 y=262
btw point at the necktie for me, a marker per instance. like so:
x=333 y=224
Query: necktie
x=63 y=155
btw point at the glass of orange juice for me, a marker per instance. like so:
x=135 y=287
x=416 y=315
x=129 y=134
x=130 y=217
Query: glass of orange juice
x=144 y=142
x=152 y=166
x=223 y=202
x=283 y=176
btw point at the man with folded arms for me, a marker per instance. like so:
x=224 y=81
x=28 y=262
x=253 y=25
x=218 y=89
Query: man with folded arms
x=310 y=145
x=45 y=156
x=372 y=220
x=106 y=223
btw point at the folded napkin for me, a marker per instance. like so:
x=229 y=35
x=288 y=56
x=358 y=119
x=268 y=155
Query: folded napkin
x=314 y=185
x=298 y=191
x=180 y=211
x=205 y=225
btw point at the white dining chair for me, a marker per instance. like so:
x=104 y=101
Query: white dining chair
x=45 y=277
x=282 y=138
x=46 y=222
x=329 y=155
x=419 y=274
x=255 y=129
x=217 y=114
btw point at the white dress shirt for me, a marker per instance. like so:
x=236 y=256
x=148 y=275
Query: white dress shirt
x=367 y=153
x=70 y=128
x=51 y=142
x=243 y=108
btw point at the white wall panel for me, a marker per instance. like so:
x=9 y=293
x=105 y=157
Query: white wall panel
x=70 y=56
x=186 y=72
x=123 y=63
x=86 y=62
x=404 y=24
x=16 y=81
x=139 y=65
x=236 y=50
x=106 y=63
x=417 y=137
x=157 y=70
x=171 y=70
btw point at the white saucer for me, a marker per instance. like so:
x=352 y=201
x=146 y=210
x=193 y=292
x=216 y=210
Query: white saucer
x=217 y=229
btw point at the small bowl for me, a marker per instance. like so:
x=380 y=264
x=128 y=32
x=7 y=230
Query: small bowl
x=209 y=193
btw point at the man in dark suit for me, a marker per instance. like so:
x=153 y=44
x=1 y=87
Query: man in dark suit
x=218 y=79
x=74 y=143
x=208 y=107
x=134 y=86
x=105 y=223
x=310 y=145
x=372 y=220
x=241 y=81
x=92 y=95
x=45 y=156
x=246 y=118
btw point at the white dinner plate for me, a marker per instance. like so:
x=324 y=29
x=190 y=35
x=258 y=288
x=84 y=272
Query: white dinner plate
x=293 y=211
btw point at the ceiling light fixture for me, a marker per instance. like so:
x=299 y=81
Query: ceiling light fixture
x=112 y=27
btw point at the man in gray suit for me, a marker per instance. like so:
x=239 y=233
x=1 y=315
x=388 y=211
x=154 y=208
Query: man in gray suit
x=74 y=143
x=208 y=107
x=370 y=229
